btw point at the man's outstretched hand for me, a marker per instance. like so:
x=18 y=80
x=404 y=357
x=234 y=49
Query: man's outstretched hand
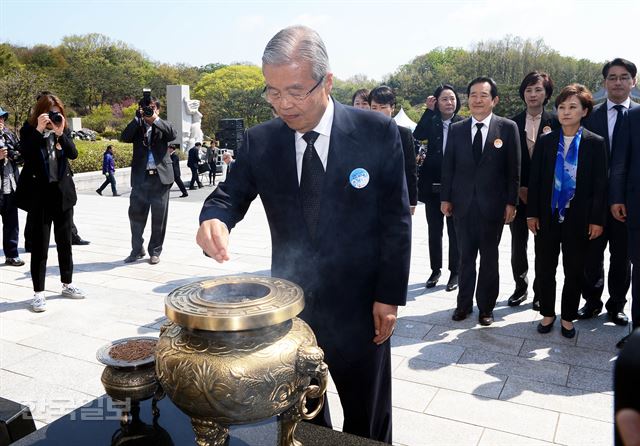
x=213 y=238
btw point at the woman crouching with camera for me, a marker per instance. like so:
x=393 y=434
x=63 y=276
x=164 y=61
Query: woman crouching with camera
x=47 y=192
x=567 y=204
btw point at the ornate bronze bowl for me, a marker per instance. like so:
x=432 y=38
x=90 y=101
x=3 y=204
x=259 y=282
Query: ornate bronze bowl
x=234 y=353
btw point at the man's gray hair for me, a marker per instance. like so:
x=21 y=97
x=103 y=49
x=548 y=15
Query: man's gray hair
x=298 y=44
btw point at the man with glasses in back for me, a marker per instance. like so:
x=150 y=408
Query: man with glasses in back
x=606 y=120
x=332 y=183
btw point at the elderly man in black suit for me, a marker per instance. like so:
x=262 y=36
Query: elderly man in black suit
x=338 y=211
x=151 y=178
x=534 y=121
x=441 y=112
x=480 y=181
x=606 y=120
x=624 y=197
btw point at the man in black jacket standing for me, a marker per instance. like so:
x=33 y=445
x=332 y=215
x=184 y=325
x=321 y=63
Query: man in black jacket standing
x=480 y=181
x=175 y=160
x=606 y=120
x=151 y=178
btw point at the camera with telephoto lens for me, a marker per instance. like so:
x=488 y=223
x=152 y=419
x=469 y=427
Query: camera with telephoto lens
x=145 y=103
x=55 y=117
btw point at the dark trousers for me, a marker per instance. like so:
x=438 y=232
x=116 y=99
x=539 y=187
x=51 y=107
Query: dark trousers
x=180 y=184
x=10 y=229
x=110 y=179
x=519 y=260
x=364 y=388
x=619 y=278
x=41 y=217
x=574 y=244
x=435 y=224
x=28 y=231
x=476 y=234
x=195 y=177
x=634 y=251
x=212 y=172
x=150 y=195
x=625 y=384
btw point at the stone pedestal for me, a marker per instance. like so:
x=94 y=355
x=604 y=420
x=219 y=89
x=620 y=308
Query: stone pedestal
x=75 y=124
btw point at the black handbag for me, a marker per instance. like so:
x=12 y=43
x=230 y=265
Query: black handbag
x=202 y=168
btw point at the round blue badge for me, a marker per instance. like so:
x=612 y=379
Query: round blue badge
x=359 y=178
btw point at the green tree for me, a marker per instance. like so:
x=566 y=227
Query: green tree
x=18 y=91
x=232 y=92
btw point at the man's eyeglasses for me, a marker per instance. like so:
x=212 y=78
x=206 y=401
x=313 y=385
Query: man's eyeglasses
x=271 y=95
x=623 y=78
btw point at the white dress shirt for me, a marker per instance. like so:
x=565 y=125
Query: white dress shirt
x=322 y=143
x=485 y=128
x=612 y=114
x=445 y=133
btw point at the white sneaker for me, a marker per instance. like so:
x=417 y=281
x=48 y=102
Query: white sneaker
x=38 y=304
x=72 y=292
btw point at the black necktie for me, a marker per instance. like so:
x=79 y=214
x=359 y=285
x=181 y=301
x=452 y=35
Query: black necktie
x=616 y=128
x=311 y=183
x=477 y=143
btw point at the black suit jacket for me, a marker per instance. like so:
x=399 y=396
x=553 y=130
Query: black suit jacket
x=430 y=128
x=625 y=170
x=589 y=205
x=411 y=174
x=547 y=120
x=161 y=134
x=35 y=177
x=175 y=161
x=494 y=181
x=363 y=238
x=598 y=122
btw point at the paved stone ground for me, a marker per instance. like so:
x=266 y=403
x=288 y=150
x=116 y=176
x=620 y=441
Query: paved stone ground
x=455 y=383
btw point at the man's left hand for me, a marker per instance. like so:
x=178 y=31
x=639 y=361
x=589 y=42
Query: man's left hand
x=384 y=321
x=509 y=214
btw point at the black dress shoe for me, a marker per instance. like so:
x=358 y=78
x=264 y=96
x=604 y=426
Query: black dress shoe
x=79 y=241
x=536 y=304
x=568 y=332
x=588 y=311
x=618 y=317
x=517 y=298
x=452 y=284
x=546 y=328
x=622 y=342
x=460 y=315
x=184 y=195
x=485 y=319
x=133 y=257
x=433 y=279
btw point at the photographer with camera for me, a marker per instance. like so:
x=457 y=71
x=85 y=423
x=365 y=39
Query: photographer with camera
x=151 y=176
x=9 y=156
x=47 y=193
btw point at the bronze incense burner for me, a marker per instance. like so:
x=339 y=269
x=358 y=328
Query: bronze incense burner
x=234 y=353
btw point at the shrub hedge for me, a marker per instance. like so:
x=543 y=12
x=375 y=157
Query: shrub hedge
x=90 y=155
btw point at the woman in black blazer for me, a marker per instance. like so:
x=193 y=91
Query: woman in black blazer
x=47 y=192
x=567 y=204
x=442 y=111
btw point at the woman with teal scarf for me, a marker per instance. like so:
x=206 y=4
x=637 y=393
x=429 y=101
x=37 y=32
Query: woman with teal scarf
x=567 y=204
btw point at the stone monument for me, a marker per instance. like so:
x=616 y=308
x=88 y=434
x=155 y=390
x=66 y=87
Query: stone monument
x=195 y=131
x=179 y=116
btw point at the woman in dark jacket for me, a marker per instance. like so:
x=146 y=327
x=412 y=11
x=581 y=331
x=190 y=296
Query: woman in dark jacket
x=47 y=192
x=567 y=204
x=441 y=112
